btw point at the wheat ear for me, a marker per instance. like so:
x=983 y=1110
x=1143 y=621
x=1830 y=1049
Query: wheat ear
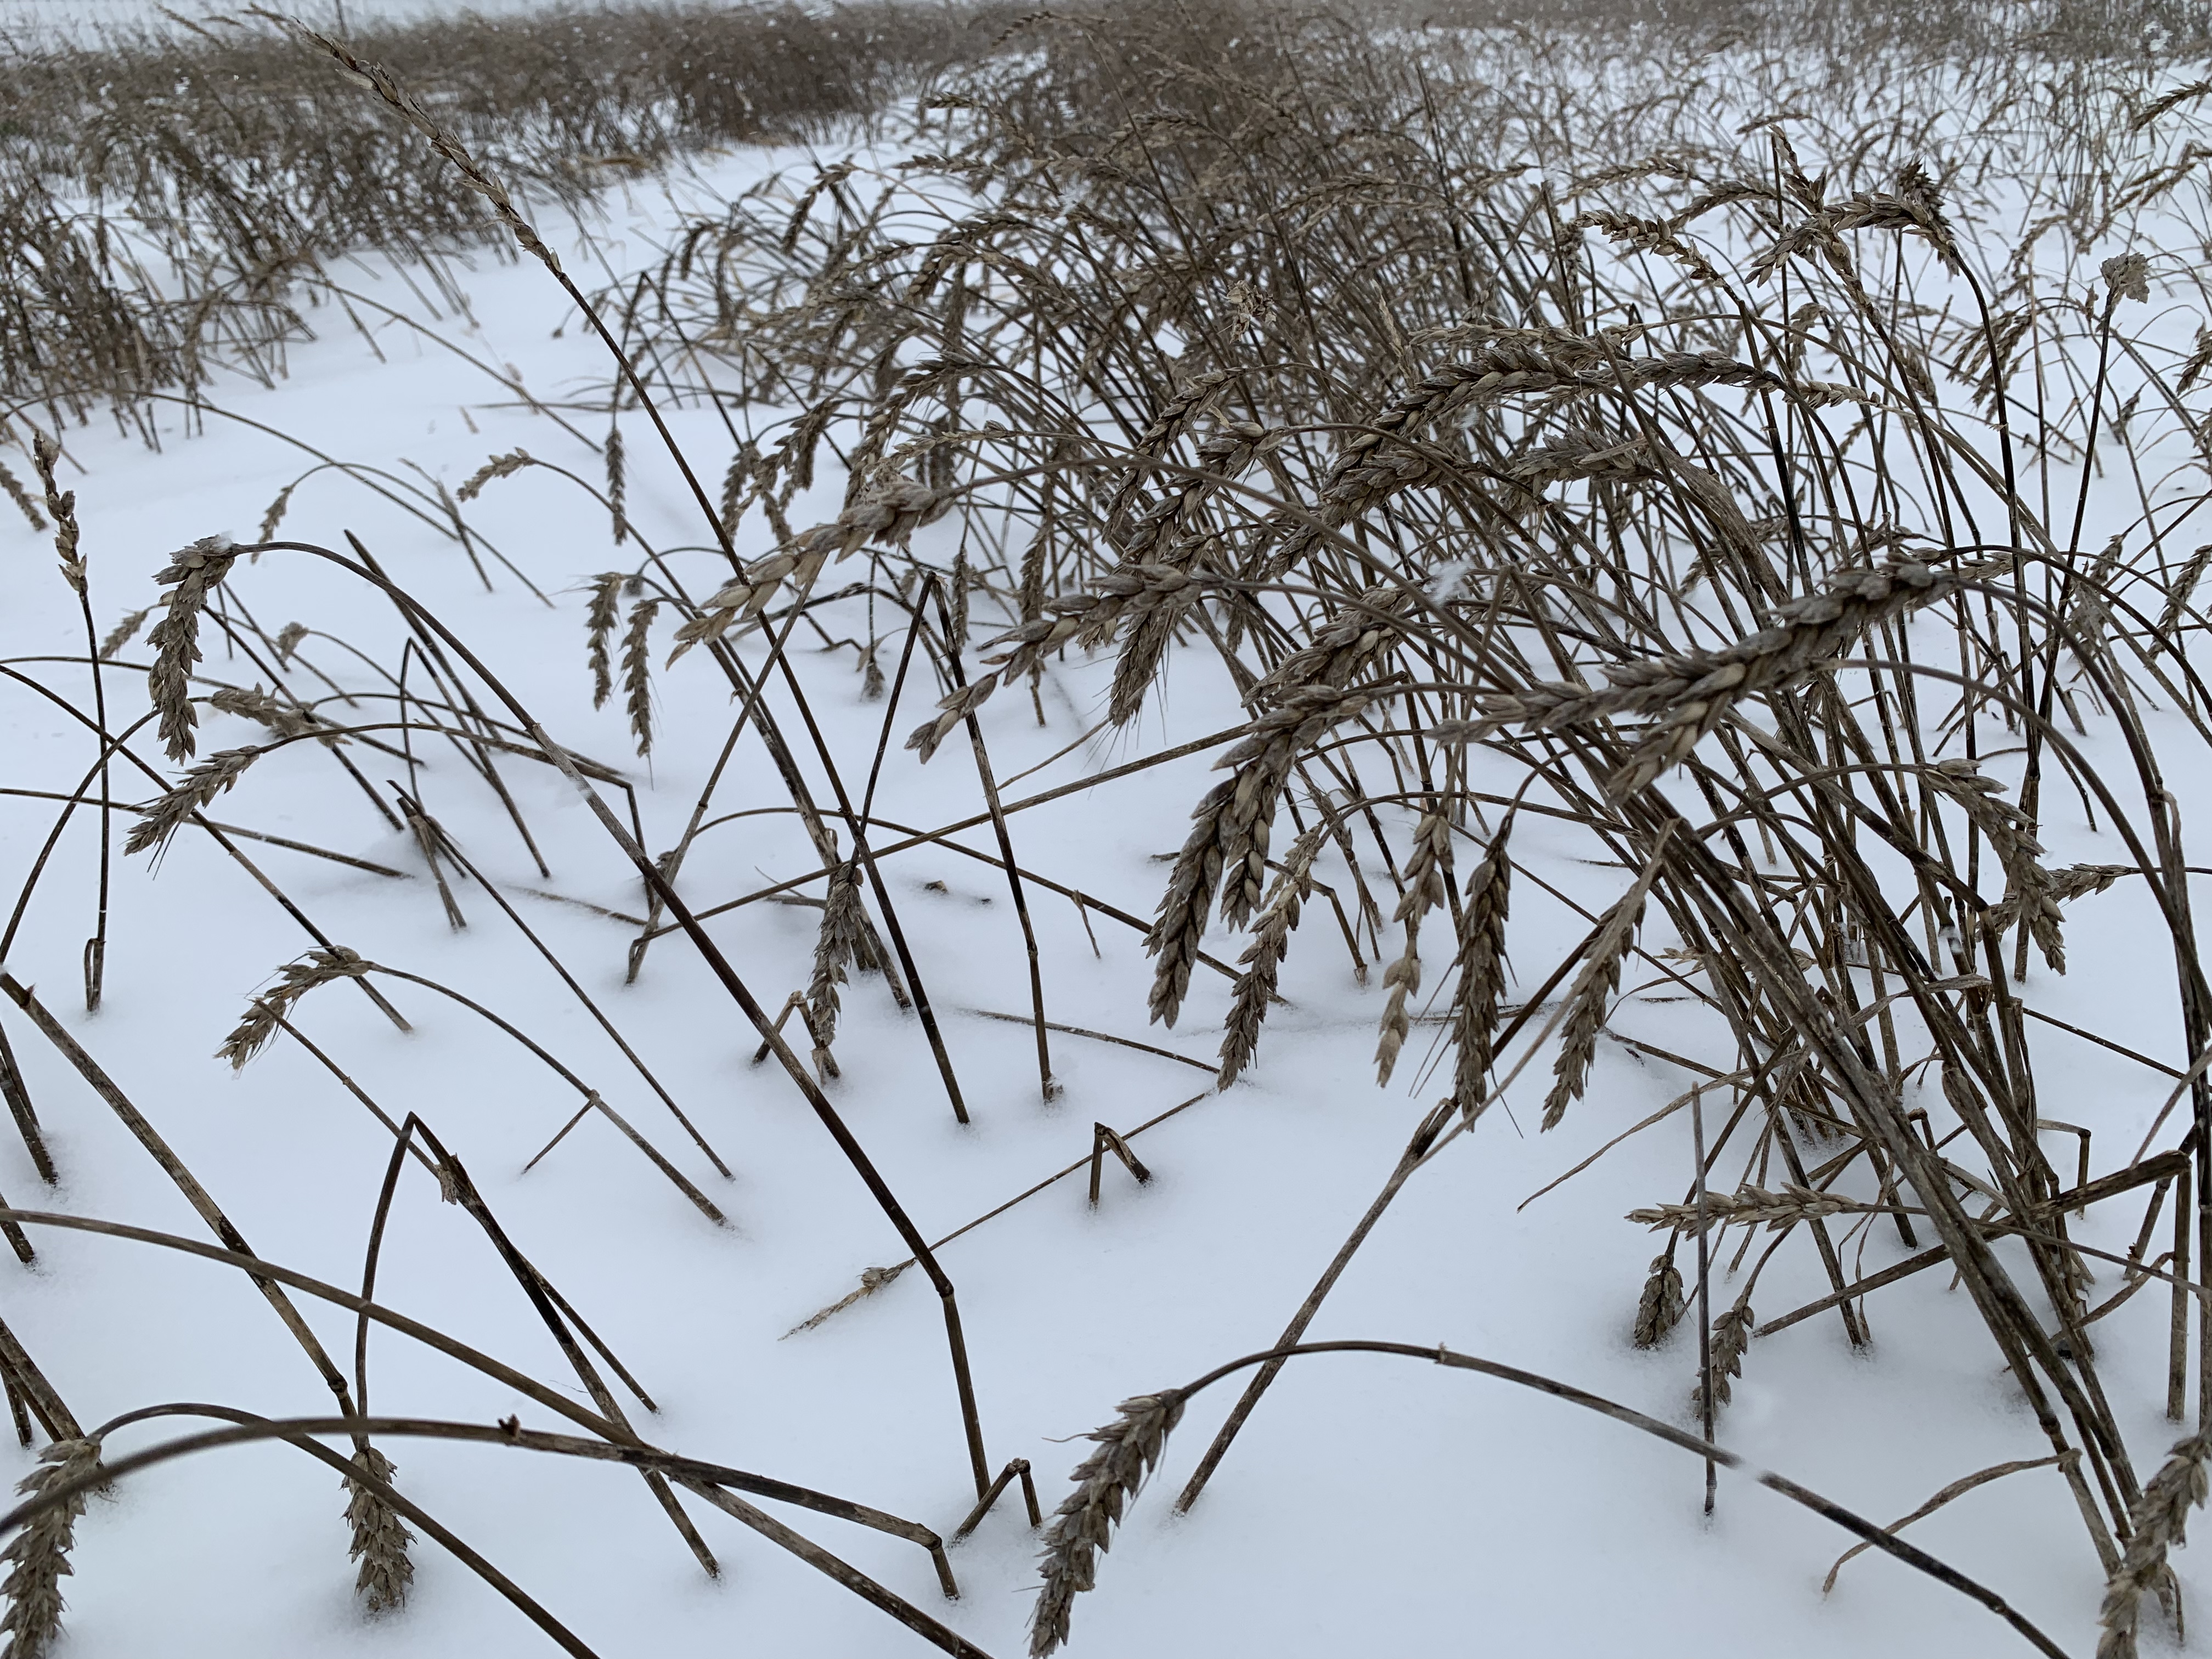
x=1425 y=890
x=38 y=1556
x=1481 y=964
x=22 y=497
x=1732 y=1333
x=2158 y=1522
x=1659 y=1308
x=637 y=672
x=600 y=620
x=1593 y=991
x=1226 y=850
x=1691 y=692
x=61 y=504
x=192 y=574
x=266 y=1013
x=1263 y=958
x=1128 y=1448
x=836 y=944
x=161 y=818
x=380 y=1537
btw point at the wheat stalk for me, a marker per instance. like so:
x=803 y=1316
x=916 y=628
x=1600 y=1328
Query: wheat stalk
x=22 y=497
x=2029 y=889
x=1592 y=993
x=123 y=632
x=617 y=483
x=375 y=78
x=872 y=1279
x=835 y=945
x=283 y=719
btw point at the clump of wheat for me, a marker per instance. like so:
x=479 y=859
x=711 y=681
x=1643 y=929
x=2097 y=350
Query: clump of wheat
x=1227 y=847
x=266 y=1013
x=1128 y=1448
x=381 y=1538
x=38 y=1556
x=2030 y=893
x=1692 y=691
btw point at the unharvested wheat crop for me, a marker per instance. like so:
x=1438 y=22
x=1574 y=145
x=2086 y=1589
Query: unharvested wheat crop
x=782 y=749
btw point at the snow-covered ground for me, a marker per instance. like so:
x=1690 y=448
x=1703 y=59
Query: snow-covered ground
x=1372 y=1504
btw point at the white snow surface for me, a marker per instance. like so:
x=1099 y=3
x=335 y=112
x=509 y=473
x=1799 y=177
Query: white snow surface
x=1372 y=1504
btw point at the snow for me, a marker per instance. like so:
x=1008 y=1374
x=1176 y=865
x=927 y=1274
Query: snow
x=1371 y=1504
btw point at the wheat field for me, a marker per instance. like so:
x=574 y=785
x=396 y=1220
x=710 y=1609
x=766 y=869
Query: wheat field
x=929 y=766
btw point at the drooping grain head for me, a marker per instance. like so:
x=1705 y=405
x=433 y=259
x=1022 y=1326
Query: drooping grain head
x=381 y=1538
x=38 y=1556
x=191 y=576
x=1083 y=1526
